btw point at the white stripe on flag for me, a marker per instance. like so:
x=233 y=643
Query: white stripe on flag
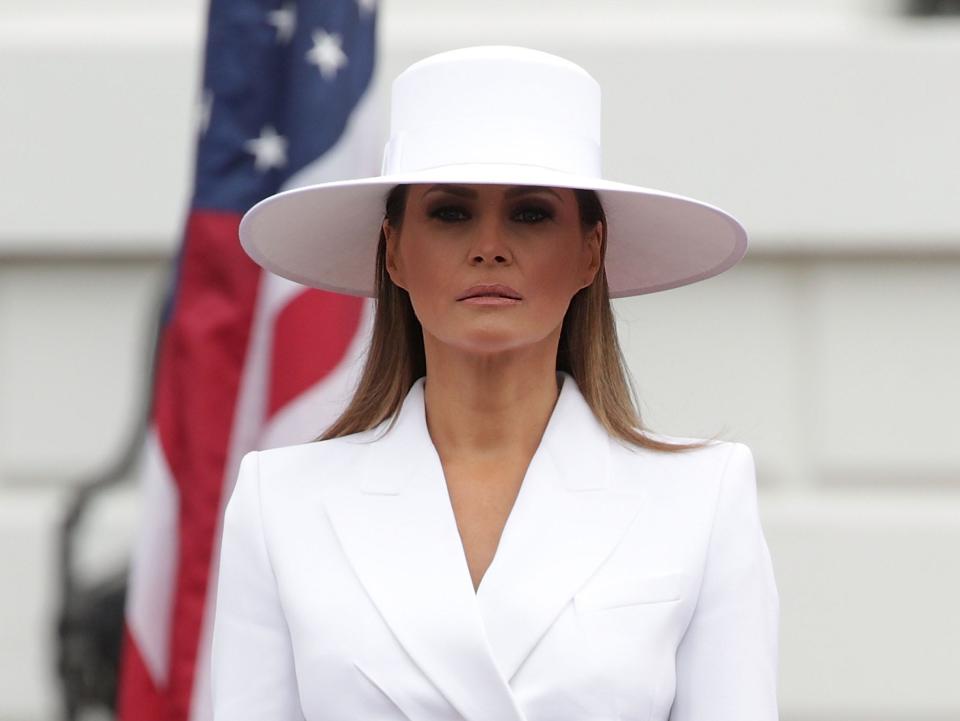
x=153 y=564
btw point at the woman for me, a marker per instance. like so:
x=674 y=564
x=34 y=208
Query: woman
x=488 y=533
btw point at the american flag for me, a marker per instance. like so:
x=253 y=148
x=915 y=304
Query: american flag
x=246 y=360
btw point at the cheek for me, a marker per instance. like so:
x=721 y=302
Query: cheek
x=428 y=283
x=418 y=261
x=558 y=279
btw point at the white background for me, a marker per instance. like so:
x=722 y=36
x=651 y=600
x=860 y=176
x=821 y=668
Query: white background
x=828 y=128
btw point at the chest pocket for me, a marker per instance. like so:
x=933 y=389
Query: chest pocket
x=619 y=591
x=630 y=625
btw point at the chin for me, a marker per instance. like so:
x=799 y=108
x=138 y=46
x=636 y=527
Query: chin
x=486 y=336
x=495 y=340
x=490 y=343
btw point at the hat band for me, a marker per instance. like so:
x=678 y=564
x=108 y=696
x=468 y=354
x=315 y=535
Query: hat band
x=564 y=152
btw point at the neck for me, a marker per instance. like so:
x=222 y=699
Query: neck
x=489 y=406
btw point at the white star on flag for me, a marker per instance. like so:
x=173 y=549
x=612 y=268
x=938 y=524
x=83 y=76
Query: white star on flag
x=269 y=150
x=327 y=53
x=284 y=20
x=367 y=6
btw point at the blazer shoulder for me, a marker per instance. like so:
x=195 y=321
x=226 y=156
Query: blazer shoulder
x=698 y=471
x=710 y=452
x=316 y=462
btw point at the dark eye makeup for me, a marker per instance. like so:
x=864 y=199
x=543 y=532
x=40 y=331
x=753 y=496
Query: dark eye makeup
x=448 y=213
x=532 y=213
x=525 y=212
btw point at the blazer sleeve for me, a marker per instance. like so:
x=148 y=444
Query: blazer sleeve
x=252 y=670
x=728 y=658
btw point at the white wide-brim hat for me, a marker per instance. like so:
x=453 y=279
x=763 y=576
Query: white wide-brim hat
x=504 y=115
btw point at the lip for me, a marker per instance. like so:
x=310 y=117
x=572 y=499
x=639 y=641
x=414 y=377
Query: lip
x=490 y=292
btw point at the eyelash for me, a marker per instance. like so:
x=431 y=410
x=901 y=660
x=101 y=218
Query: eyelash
x=441 y=213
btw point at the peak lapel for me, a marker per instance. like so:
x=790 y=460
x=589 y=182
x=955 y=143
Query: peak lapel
x=567 y=519
x=398 y=530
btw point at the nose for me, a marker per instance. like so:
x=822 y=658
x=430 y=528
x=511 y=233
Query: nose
x=489 y=244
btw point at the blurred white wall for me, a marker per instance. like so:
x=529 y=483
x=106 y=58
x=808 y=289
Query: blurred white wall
x=828 y=128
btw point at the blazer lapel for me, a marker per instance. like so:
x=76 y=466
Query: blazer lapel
x=567 y=519
x=398 y=530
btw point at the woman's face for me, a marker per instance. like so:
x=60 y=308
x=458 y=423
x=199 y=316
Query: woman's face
x=491 y=268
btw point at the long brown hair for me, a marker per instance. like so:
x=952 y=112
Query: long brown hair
x=588 y=349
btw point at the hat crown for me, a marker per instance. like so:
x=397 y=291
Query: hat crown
x=494 y=104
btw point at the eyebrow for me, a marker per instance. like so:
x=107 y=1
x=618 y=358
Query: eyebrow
x=461 y=190
x=528 y=189
x=465 y=192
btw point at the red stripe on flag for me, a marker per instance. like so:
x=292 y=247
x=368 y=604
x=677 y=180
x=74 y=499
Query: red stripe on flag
x=199 y=368
x=138 y=696
x=311 y=336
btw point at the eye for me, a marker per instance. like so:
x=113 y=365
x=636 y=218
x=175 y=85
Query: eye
x=449 y=213
x=532 y=214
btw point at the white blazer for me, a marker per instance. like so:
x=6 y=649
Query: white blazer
x=628 y=584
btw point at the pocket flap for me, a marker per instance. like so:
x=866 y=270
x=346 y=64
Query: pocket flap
x=619 y=591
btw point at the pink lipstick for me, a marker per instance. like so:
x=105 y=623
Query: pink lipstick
x=490 y=294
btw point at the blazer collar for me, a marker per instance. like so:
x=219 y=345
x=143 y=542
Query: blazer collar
x=572 y=420
x=399 y=532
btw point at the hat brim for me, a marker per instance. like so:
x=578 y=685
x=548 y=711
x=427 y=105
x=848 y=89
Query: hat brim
x=325 y=236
